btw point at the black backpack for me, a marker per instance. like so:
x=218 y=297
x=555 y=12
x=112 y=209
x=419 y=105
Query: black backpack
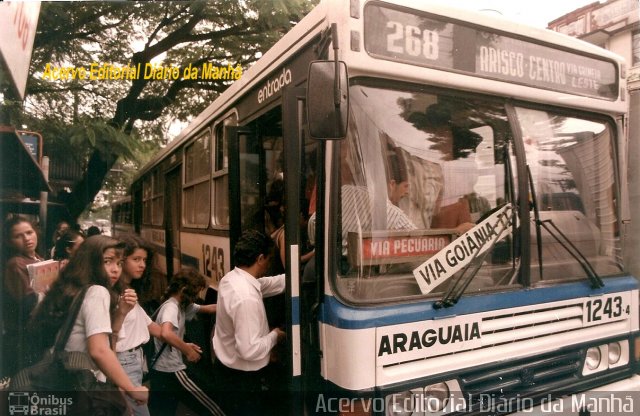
x=149 y=350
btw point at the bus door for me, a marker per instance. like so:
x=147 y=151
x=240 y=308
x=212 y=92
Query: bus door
x=267 y=179
x=302 y=167
x=172 y=220
x=245 y=180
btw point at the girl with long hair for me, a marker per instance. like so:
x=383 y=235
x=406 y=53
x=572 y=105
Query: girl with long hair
x=136 y=327
x=98 y=265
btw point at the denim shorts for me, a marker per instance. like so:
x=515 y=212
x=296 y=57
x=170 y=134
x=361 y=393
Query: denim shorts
x=132 y=362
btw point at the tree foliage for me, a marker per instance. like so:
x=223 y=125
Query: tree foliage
x=101 y=121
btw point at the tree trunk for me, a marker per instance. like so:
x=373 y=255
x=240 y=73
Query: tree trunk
x=88 y=187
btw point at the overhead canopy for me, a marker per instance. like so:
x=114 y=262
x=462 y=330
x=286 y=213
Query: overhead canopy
x=19 y=172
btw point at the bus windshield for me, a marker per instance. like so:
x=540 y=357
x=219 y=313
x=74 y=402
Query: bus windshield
x=429 y=186
x=573 y=173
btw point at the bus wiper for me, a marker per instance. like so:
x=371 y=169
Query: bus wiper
x=460 y=284
x=561 y=238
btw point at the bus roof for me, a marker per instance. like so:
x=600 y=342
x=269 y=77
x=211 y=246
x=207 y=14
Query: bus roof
x=337 y=11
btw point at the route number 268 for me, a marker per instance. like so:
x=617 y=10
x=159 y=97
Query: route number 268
x=411 y=40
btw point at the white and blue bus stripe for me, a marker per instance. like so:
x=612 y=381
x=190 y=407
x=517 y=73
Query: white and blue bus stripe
x=339 y=315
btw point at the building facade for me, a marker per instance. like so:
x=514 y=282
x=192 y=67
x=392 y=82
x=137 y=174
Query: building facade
x=614 y=25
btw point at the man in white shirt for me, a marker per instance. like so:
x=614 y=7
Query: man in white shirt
x=242 y=340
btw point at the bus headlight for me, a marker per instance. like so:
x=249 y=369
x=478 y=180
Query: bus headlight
x=400 y=404
x=615 y=352
x=436 y=396
x=594 y=356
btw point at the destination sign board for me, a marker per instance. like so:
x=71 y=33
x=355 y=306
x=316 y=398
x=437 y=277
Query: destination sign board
x=463 y=250
x=387 y=247
x=427 y=40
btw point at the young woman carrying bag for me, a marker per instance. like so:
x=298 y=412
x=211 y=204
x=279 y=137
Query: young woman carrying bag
x=96 y=266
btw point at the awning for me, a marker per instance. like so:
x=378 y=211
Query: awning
x=19 y=172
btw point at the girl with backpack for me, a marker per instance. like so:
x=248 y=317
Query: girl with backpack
x=97 y=265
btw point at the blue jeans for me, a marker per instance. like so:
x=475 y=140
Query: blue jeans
x=132 y=362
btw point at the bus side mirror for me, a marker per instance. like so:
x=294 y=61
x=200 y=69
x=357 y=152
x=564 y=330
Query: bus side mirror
x=327 y=100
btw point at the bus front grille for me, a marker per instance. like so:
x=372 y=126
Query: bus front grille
x=524 y=378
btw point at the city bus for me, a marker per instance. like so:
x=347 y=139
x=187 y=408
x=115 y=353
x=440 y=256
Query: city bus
x=461 y=181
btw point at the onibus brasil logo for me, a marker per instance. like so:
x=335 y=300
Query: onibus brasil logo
x=32 y=403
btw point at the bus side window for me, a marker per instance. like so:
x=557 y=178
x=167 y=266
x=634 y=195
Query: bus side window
x=220 y=175
x=196 y=182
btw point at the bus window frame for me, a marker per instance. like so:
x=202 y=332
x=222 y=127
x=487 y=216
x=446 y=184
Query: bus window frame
x=217 y=175
x=194 y=182
x=519 y=172
x=157 y=197
x=147 y=191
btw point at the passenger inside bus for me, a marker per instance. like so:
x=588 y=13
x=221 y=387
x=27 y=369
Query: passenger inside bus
x=274 y=225
x=478 y=205
x=398 y=181
x=357 y=199
x=453 y=142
